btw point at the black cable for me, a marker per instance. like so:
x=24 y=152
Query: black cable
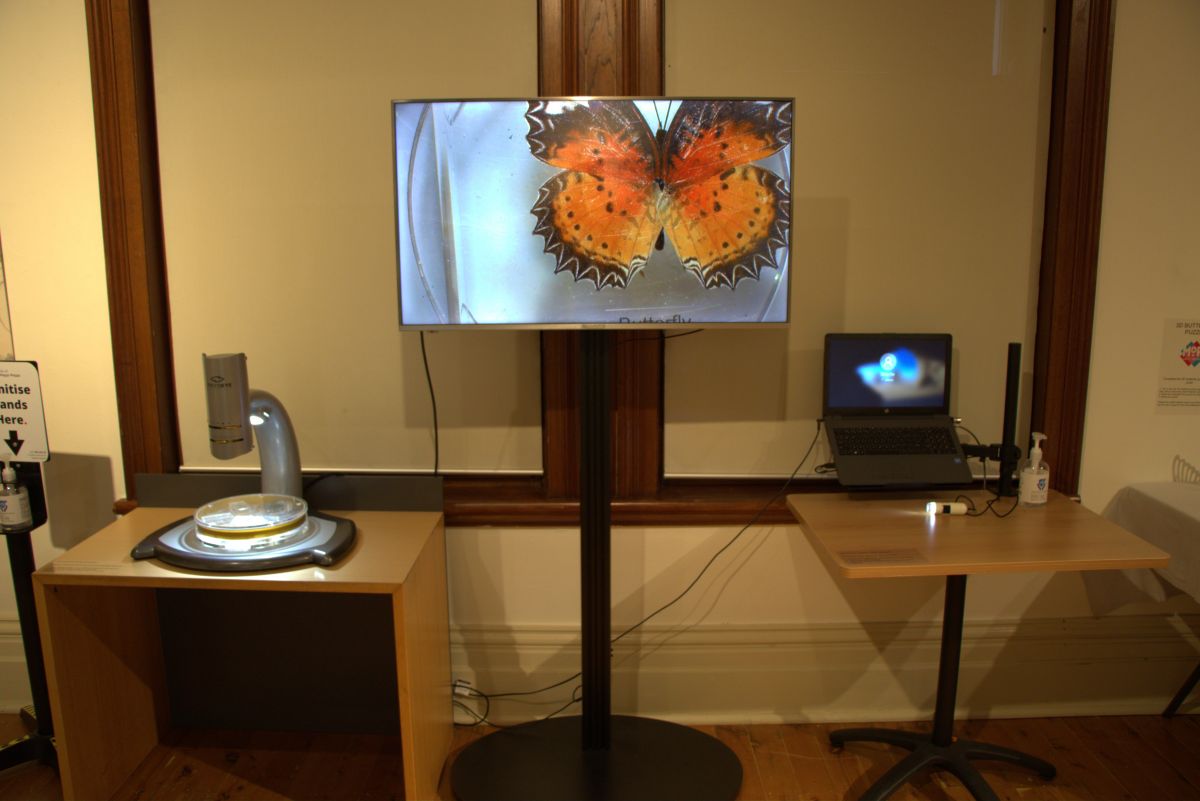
x=982 y=459
x=575 y=699
x=674 y=600
x=726 y=546
x=990 y=506
x=683 y=334
x=483 y=718
x=534 y=692
x=479 y=719
x=437 y=455
x=662 y=335
x=487 y=706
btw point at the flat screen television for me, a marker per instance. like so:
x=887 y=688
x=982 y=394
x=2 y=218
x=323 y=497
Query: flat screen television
x=593 y=212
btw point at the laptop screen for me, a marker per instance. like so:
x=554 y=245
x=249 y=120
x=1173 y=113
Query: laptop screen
x=873 y=374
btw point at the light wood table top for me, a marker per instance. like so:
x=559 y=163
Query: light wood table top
x=386 y=546
x=890 y=535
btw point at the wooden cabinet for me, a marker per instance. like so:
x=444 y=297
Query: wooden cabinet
x=106 y=671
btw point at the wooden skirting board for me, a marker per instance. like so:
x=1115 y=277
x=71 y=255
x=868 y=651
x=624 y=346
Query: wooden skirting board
x=845 y=673
x=743 y=674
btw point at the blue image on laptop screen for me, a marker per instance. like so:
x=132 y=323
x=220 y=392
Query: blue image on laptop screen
x=887 y=371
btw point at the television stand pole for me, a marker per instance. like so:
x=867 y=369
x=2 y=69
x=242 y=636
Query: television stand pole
x=596 y=756
x=595 y=536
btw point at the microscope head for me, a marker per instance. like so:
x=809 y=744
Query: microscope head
x=227 y=391
x=233 y=407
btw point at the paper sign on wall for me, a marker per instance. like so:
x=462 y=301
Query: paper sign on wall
x=1179 y=373
x=22 y=421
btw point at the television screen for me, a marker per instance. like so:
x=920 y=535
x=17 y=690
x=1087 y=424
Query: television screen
x=593 y=212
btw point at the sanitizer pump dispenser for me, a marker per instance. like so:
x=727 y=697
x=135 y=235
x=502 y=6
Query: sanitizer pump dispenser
x=1035 y=475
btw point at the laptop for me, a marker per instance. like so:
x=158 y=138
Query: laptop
x=887 y=411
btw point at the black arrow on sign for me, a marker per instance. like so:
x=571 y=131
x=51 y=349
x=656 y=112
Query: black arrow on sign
x=13 y=443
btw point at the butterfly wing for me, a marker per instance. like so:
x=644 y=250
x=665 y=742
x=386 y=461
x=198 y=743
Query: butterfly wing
x=726 y=217
x=598 y=217
x=596 y=228
x=730 y=226
x=606 y=138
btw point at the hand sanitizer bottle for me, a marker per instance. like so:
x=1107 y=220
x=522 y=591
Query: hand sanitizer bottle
x=1035 y=475
x=15 y=514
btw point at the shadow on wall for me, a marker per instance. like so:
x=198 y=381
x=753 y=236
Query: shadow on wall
x=773 y=380
x=686 y=593
x=894 y=614
x=1183 y=471
x=1118 y=663
x=79 y=496
x=470 y=563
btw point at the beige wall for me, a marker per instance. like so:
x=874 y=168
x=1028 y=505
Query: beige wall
x=769 y=633
x=1149 y=269
x=54 y=265
x=920 y=153
x=275 y=142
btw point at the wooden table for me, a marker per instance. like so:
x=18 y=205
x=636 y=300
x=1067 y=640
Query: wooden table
x=104 y=660
x=888 y=536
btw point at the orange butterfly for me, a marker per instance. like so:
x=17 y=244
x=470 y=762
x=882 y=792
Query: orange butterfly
x=622 y=187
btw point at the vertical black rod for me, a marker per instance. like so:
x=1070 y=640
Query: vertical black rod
x=947 y=686
x=595 y=497
x=1009 y=455
x=20 y=559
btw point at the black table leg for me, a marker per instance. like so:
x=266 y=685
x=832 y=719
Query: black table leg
x=1183 y=693
x=940 y=749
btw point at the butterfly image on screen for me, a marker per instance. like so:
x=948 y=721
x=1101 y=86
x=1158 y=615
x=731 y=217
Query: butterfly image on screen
x=622 y=186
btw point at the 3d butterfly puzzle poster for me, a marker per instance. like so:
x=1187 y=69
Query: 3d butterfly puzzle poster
x=581 y=212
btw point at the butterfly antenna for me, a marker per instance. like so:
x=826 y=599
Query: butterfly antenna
x=661 y=118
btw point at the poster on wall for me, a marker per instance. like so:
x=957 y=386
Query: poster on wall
x=1179 y=374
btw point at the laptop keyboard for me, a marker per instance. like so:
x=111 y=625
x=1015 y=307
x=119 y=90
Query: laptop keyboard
x=886 y=440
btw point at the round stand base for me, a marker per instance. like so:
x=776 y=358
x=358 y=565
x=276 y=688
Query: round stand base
x=648 y=759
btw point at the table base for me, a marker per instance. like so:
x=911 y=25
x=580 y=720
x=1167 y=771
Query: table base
x=955 y=758
x=648 y=760
x=1184 y=691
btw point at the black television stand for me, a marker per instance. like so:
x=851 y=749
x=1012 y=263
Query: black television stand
x=596 y=755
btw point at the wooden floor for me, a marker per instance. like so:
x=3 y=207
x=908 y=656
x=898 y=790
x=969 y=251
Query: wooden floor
x=1132 y=758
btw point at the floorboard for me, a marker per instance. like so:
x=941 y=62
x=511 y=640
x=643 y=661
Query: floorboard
x=1138 y=768
x=1126 y=758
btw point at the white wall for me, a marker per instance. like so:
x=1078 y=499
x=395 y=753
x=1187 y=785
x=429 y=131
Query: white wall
x=1149 y=267
x=54 y=264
